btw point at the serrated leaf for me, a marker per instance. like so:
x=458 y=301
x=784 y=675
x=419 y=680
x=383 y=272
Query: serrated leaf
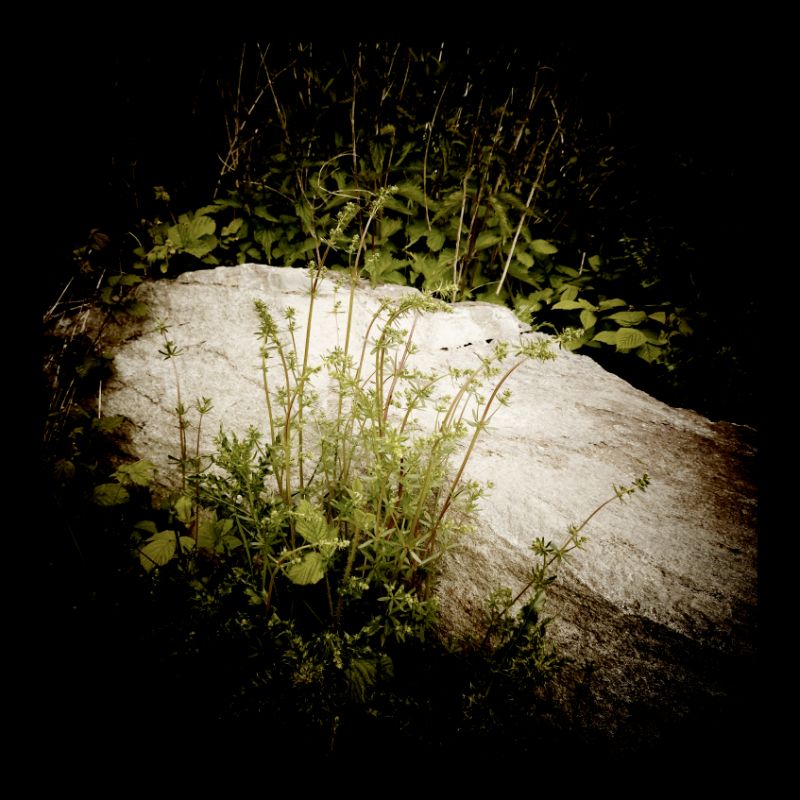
x=627 y=318
x=541 y=247
x=411 y=192
x=110 y=494
x=140 y=473
x=262 y=212
x=649 y=352
x=607 y=337
x=233 y=228
x=310 y=569
x=588 y=319
x=415 y=231
x=485 y=240
x=311 y=524
x=629 y=338
x=436 y=239
x=107 y=424
x=159 y=550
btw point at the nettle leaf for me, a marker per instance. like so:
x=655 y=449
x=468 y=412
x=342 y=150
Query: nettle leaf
x=629 y=338
x=436 y=239
x=110 y=494
x=310 y=569
x=386 y=269
x=389 y=227
x=415 y=231
x=627 y=318
x=485 y=240
x=541 y=247
x=194 y=235
x=140 y=473
x=263 y=213
x=233 y=228
x=161 y=549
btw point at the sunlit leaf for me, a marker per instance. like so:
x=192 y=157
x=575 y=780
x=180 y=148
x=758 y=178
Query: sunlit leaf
x=311 y=569
x=140 y=473
x=543 y=248
x=628 y=338
x=588 y=319
x=607 y=337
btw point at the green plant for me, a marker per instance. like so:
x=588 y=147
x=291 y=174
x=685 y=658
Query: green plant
x=323 y=534
x=500 y=190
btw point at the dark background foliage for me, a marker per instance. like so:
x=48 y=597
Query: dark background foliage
x=126 y=116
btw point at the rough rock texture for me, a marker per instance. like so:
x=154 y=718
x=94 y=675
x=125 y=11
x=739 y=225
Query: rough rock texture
x=658 y=610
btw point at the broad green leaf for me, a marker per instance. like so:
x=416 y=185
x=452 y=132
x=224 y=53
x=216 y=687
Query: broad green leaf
x=595 y=262
x=588 y=319
x=569 y=271
x=627 y=318
x=543 y=248
x=140 y=473
x=607 y=337
x=159 y=550
x=233 y=228
x=436 y=239
x=615 y=302
x=628 y=338
x=147 y=526
x=415 y=231
x=567 y=305
x=311 y=569
x=110 y=494
x=184 y=509
x=659 y=316
x=389 y=227
x=311 y=524
x=648 y=352
x=569 y=293
x=107 y=424
x=524 y=257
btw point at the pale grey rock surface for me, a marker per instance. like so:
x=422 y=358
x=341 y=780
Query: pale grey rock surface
x=659 y=608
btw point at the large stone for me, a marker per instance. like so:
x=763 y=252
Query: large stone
x=657 y=611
